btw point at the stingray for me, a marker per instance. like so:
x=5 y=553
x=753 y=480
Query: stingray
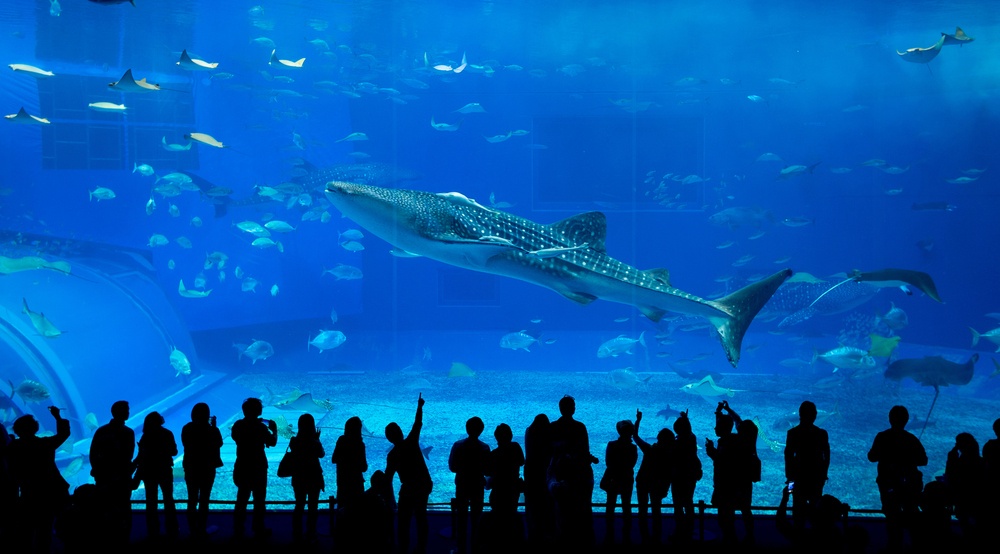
x=892 y=277
x=204 y=139
x=128 y=84
x=958 y=38
x=923 y=55
x=706 y=388
x=932 y=371
x=303 y=402
x=25 y=118
x=194 y=64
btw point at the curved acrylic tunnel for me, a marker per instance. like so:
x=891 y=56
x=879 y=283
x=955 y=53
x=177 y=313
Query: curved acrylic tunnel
x=84 y=328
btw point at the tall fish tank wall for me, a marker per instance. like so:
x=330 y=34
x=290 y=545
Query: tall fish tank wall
x=164 y=192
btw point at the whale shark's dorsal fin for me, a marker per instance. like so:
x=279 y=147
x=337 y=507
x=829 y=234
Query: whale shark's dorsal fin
x=587 y=228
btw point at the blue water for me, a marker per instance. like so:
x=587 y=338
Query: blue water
x=615 y=106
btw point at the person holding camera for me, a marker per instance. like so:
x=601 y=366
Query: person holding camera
x=44 y=492
x=252 y=435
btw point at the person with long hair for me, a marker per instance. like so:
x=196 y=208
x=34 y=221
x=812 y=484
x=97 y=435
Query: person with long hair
x=154 y=466
x=307 y=477
x=202 y=445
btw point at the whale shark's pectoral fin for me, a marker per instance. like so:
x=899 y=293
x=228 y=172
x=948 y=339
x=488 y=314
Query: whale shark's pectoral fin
x=653 y=314
x=578 y=297
x=892 y=277
x=589 y=228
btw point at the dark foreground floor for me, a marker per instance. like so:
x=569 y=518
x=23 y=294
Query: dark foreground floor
x=279 y=521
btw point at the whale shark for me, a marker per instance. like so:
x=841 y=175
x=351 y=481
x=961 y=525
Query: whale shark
x=456 y=230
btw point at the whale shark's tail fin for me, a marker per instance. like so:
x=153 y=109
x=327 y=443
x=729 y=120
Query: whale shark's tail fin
x=742 y=306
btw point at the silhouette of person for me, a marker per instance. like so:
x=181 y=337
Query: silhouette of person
x=652 y=481
x=991 y=456
x=934 y=530
x=725 y=473
x=807 y=462
x=538 y=507
x=351 y=459
x=965 y=474
x=154 y=465
x=307 y=476
x=406 y=459
x=823 y=532
x=44 y=492
x=504 y=470
x=687 y=473
x=747 y=470
x=571 y=478
x=899 y=453
x=376 y=507
x=468 y=460
x=8 y=489
x=202 y=442
x=620 y=458
x=79 y=526
x=111 y=464
x=252 y=435
x=352 y=462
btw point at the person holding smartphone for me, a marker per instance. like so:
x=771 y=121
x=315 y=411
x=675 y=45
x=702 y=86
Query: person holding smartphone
x=252 y=435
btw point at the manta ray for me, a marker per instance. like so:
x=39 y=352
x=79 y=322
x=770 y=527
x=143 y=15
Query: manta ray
x=568 y=256
x=923 y=55
x=128 y=84
x=932 y=371
x=893 y=277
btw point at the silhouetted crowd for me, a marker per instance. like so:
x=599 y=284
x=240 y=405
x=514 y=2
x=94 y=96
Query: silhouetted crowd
x=557 y=484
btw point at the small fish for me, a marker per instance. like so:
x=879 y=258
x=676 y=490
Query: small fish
x=145 y=170
x=624 y=378
x=327 y=340
x=274 y=290
x=157 y=240
x=797 y=221
x=345 y=272
x=259 y=350
x=29 y=391
x=249 y=284
x=520 y=340
x=895 y=318
x=180 y=362
x=40 y=322
x=668 y=412
x=352 y=246
x=963 y=180
x=756 y=99
x=353 y=137
x=620 y=345
x=102 y=193
x=107 y=107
